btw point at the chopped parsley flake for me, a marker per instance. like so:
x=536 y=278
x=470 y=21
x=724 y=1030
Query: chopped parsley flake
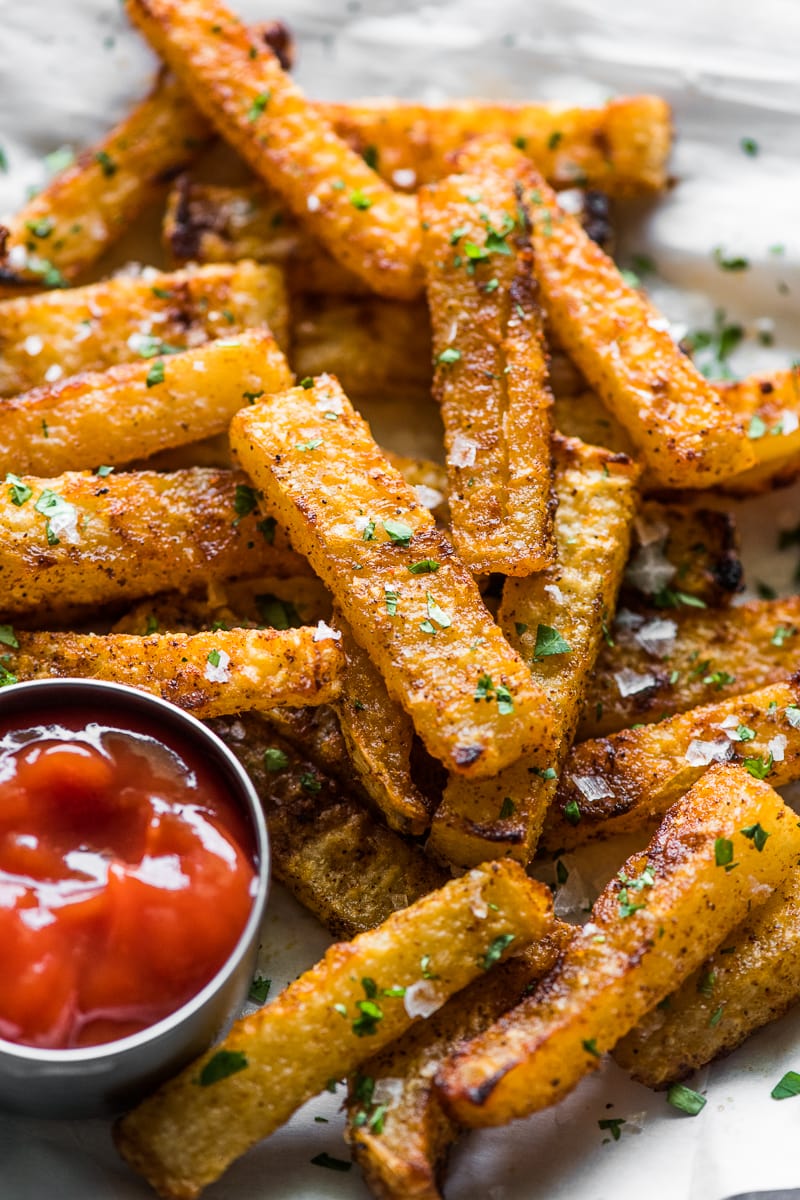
x=360 y=201
x=275 y=759
x=51 y=505
x=156 y=373
x=369 y=532
x=759 y=767
x=259 y=989
x=425 y=967
x=749 y=146
x=221 y=1065
x=371 y=1015
x=685 y=1100
x=730 y=262
x=392 y=601
x=333 y=1164
x=723 y=852
x=18 y=492
x=311 y=444
x=507 y=808
x=786 y=1087
x=590 y=1046
x=214 y=657
x=613 y=1125
x=572 y=812
x=549 y=641
x=450 y=355
x=398 y=531
x=495 y=951
x=8 y=637
x=259 y=104
x=425 y=566
x=245 y=500
x=757 y=834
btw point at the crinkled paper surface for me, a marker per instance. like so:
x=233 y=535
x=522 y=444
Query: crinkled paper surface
x=69 y=68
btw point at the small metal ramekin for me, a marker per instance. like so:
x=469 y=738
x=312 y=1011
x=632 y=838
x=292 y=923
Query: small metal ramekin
x=102 y=1080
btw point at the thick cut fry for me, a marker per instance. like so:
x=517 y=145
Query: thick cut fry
x=653 y=924
x=399 y=1133
x=361 y=996
x=86 y=207
x=208 y=674
x=332 y=855
x=136 y=409
x=679 y=425
x=208 y=223
x=685 y=554
x=377 y=349
x=45 y=337
x=621 y=148
x=379 y=738
x=80 y=539
x=663 y=663
x=491 y=373
x=571 y=601
x=769 y=407
x=752 y=979
x=409 y=601
x=242 y=89
x=623 y=783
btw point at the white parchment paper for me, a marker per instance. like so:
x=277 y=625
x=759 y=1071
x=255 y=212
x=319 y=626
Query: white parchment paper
x=69 y=68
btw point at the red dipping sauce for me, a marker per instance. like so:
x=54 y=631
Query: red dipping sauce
x=127 y=875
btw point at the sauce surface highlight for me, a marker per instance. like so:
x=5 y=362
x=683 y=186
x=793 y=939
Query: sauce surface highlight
x=126 y=877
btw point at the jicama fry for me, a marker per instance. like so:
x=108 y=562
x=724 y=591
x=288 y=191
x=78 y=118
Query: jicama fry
x=361 y=996
x=657 y=920
x=208 y=223
x=207 y=674
x=65 y=228
x=556 y=620
x=409 y=601
x=623 y=783
x=377 y=349
x=681 y=428
x=491 y=373
x=136 y=409
x=379 y=737
x=242 y=89
x=769 y=407
x=752 y=979
x=399 y=1133
x=621 y=147
x=82 y=539
x=46 y=337
x=333 y=856
x=665 y=662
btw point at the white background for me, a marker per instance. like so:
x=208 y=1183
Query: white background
x=70 y=68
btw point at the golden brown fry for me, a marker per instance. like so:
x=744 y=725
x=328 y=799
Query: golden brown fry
x=575 y=597
x=656 y=921
x=583 y=415
x=45 y=337
x=208 y=674
x=184 y=1137
x=620 y=148
x=332 y=855
x=80 y=539
x=241 y=87
x=398 y=1131
x=379 y=737
x=750 y=980
x=409 y=601
x=666 y=662
x=769 y=408
x=211 y=223
x=65 y=227
x=136 y=409
x=491 y=373
x=679 y=425
x=377 y=349
x=623 y=784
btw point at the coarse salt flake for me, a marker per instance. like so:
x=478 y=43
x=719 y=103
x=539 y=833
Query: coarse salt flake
x=313 y=203
x=593 y=787
x=657 y=636
x=630 y=683
x=701 y=754
x=423 y=998
x=33 y=345
x=53 y=372
x=221 y=672
x=324 y=633
x=463 y=451
x=777 y=747
x=405 y=177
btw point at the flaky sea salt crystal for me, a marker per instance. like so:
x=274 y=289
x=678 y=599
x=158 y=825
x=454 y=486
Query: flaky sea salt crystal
x=700 y=753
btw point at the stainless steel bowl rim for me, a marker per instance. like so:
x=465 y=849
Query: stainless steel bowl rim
x=193 y=730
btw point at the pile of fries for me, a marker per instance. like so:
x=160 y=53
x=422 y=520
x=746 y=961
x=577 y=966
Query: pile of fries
x=403 y=654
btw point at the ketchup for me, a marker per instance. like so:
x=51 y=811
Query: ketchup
x=126 y=878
